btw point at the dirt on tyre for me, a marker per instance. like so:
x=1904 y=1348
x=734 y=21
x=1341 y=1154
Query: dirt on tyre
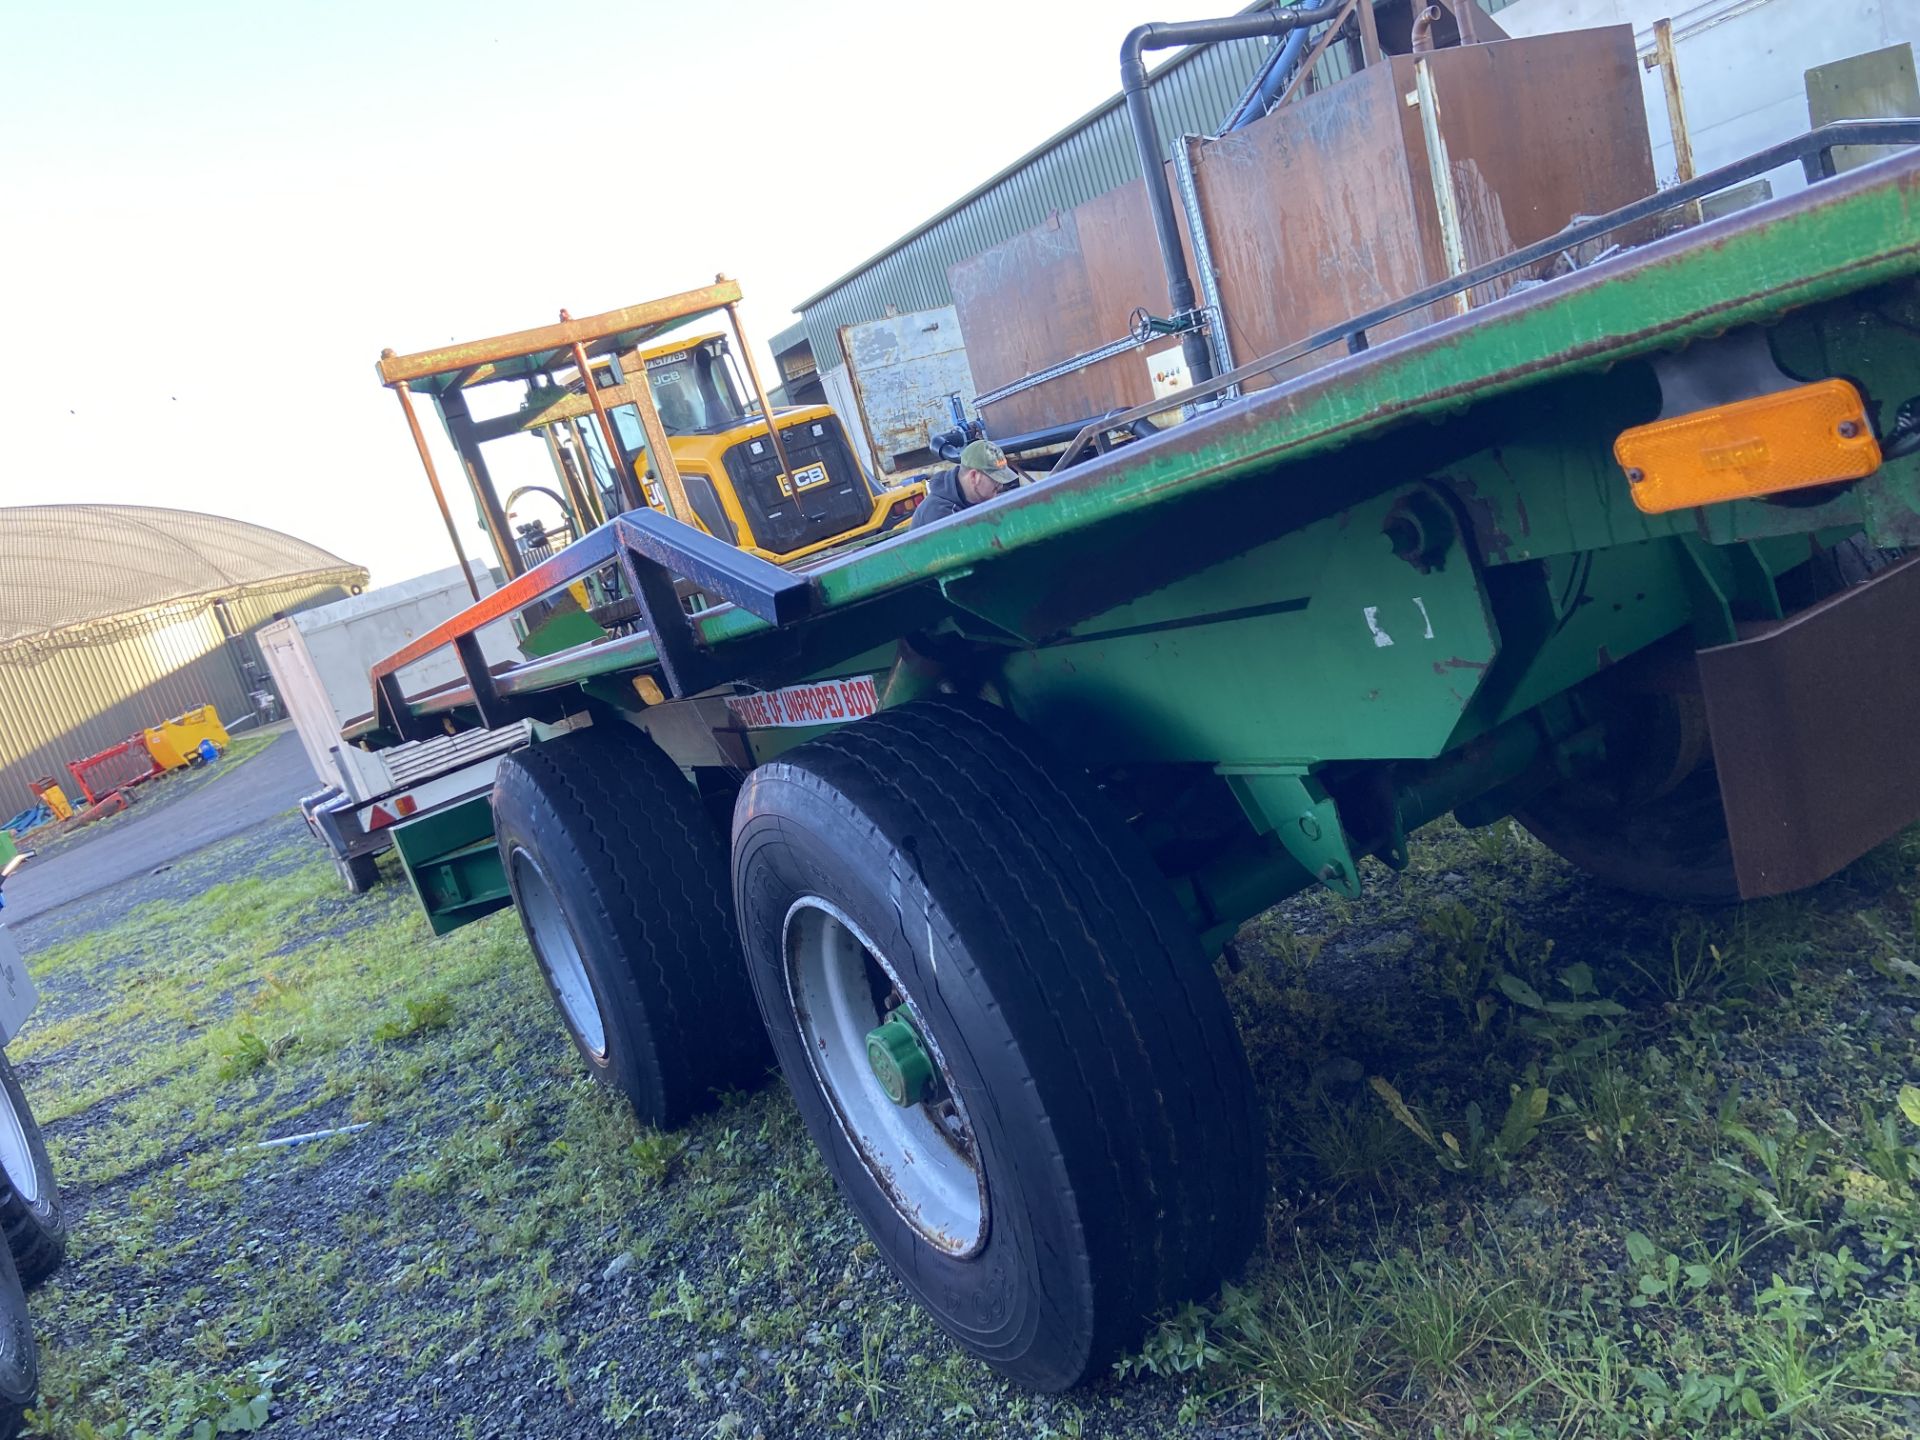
x=32 y=1215
x=1000 y=1031
x=621 y=882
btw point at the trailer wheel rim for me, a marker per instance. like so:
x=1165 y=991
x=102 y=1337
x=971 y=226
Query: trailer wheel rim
x=923 y=1157
x=559 y=951
x=16 y=1155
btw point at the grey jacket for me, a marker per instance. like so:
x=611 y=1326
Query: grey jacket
x=944 y=498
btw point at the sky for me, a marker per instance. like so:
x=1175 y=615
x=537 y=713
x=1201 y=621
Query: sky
x=216 y=215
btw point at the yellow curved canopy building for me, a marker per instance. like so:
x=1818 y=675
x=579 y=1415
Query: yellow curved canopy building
x=115 y=617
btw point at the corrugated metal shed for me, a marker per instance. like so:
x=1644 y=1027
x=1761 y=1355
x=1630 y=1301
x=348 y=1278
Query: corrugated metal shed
x=788 y=338
x=1192 y=94
x=114 y=617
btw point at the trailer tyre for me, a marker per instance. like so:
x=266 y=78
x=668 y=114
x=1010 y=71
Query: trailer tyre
x=1000 y=1031
x=1674 y=847
x=1658 y=828
x=620 y=878
x=359 y=873
x=19 y=1359
x=32 y=1215
x=1648 y=819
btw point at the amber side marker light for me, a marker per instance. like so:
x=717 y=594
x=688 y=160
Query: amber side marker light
x=1790 y=440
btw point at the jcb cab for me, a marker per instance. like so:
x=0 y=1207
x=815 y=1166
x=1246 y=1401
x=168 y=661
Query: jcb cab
x=733 y=485
x=688 y=442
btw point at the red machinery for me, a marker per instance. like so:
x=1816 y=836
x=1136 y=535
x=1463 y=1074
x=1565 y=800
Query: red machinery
x=114 y=768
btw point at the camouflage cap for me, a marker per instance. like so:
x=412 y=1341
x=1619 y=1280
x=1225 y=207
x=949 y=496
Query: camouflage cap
x=990 y=460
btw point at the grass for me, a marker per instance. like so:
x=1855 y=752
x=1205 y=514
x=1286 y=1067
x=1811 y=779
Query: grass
x=1658 y=1178
x=1545 y=1162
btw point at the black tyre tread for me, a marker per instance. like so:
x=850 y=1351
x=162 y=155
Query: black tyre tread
x=36 y=1237
x=659 y=874
x=1165 y=1025
x=1126 y=1252
x=36 y=1253
x=360 y=873
x=18 y=1390
x=1195 y=1016
x=1675 y=848
x=858 y=785
x=1181 y=1157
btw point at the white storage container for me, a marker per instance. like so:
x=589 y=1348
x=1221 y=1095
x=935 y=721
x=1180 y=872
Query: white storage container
x=321 y=659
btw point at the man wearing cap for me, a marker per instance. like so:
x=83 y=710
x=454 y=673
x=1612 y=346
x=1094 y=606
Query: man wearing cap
x=982 y=473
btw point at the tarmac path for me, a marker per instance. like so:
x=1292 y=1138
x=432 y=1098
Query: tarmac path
x=259 y=787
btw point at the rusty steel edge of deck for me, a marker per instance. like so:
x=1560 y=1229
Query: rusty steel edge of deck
x=1840 y=236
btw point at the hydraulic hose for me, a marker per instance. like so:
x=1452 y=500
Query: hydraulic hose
x=1267 y=86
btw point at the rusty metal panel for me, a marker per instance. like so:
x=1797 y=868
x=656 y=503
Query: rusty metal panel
x=1538 y=130
x=1063 y=288
x=1322 y=210
x=903 y=367
x=1812 y=724
x=1310 y=212
x=1326 y=208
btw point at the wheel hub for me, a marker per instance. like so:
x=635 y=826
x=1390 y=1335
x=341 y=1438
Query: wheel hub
x=880 y=1070
x=899 y=1061
x=16 y=1154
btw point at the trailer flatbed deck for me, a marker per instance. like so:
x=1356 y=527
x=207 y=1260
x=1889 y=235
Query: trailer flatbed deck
x=1838 y=238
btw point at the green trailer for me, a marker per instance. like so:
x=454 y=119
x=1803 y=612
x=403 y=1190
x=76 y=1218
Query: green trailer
x=954 y=827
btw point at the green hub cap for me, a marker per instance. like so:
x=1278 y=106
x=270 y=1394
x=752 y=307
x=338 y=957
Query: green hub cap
x=899 y=1062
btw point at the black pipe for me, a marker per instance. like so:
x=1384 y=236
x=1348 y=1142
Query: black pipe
x=949 y=443
x=1159 y=35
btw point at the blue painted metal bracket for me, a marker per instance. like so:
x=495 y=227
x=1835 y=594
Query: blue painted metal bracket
x=652 y=550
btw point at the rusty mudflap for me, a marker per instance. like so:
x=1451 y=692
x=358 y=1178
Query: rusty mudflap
x=1813 y=720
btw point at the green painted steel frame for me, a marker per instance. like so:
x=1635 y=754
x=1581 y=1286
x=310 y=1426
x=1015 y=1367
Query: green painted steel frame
x=453 y=864
x=1408 y=555
x=1321 y=645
